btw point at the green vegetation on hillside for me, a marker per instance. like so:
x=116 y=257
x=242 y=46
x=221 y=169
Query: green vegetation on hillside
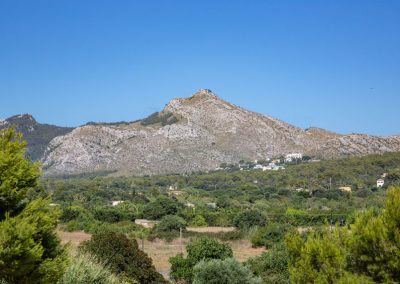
x=159 y=118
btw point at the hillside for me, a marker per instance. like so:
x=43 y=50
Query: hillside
x=37 y=135
x=197 y=133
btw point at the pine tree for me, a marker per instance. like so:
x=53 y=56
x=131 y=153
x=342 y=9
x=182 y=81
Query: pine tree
x=30 y=251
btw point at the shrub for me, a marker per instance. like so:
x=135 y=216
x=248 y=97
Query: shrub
x=160 y=207
x=272 y=265
x=223 y=271
x=198 y=221
x=223 y=202
x=122 y=256
x=85 y=269
x=203 y=248
x=112 y=214
x=163 y=118
x=71 y=213
x=250 y=218
x=170 y=223
x=269 y=235
x=208 y=248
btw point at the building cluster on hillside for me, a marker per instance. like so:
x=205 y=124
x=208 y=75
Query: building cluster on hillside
x=269 y=167
x=293 y=157
x=265 y=165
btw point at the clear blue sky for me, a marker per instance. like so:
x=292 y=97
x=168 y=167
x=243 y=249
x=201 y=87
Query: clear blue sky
x=333 y=64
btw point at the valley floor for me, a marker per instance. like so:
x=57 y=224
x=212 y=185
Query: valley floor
x=160 y=251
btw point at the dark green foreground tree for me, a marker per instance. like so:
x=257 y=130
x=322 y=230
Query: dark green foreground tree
x=30 y=251
x=123 y=257
x=367 y=252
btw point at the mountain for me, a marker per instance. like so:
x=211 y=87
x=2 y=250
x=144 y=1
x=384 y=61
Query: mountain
x=38 y=136
x=196 y=133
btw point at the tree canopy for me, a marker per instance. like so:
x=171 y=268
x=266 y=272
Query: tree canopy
x=30 y=251
x=367 y=251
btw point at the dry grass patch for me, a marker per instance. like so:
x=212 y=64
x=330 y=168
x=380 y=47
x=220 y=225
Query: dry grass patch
x=73 y=238
x=160 y=251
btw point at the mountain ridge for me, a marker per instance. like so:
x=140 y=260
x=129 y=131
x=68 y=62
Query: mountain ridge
x=197 y=134
x=37 y=135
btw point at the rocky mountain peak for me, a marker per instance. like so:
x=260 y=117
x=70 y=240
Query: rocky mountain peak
x=196 y=133
x=205 y=93
x=22 y=118
x=36 y=134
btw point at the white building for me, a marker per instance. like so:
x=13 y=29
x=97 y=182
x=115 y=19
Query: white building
x=272 y=167
x=380 y=182
x=212 y=205
x=190 y=205
x=116 y=202
x=345 y=189
x=293 y=156
x=258 y=167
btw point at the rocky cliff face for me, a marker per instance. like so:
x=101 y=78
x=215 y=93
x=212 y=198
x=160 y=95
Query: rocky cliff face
x=196 y=133
x=37 y=135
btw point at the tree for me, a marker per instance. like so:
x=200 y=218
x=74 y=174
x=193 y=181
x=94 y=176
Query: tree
x=218 y=271
x=199 y=221
x=203 y=248
x=269 y=235
x=123 y=257
x=17 y=173
x=160 y=207
x=223 y=202
x=30 y=251
x=170 y=223
x=272 y=265
x=250 y=218
x=368 y=251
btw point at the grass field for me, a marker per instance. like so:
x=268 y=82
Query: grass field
x=160 y=251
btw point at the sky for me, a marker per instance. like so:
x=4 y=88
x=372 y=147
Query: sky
x=329 y=64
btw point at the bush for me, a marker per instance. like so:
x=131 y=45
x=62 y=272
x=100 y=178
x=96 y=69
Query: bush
x=160 y=207
x=71 y=213
x=85 y=269
x=250 y=218
x=269 y=235
x=163 y=118
x=199 y=221
x=203 y=248
x=122 y=256
x=223 y=271
x=272 y=265
x=112 y=214
x=170 y=223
